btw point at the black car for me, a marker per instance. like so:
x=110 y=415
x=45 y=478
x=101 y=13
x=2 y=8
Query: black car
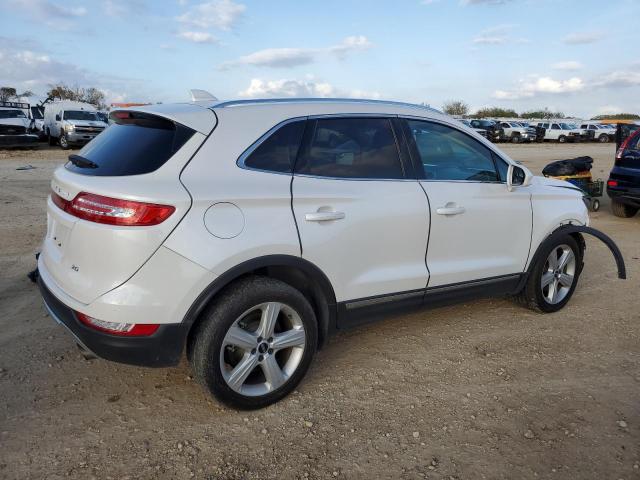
x=495 y=132
x=623 y=185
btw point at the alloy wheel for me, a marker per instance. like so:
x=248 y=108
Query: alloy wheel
x=262 y=349
x=558 y=274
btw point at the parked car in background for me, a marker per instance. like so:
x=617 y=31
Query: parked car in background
x=495 y=133
x=479 y=131
x=71 y=123
x=15 y=126
x=560 y=132
x=516 y=133
x=601 y=133
x=246 y=232
x=623 y=186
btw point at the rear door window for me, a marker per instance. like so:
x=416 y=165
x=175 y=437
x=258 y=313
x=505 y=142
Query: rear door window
x=361 y=148
x=278 y=152
x=137 y=143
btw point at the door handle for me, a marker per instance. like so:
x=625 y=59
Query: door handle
x=450 y=209
x=323 y=216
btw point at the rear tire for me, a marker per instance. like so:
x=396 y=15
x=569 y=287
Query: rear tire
x=603 y=138
x=623 y=210
x=562 y=139
x=242 y=360
x=553 y=279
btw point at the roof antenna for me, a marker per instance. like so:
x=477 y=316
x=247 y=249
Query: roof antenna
x=201 y=96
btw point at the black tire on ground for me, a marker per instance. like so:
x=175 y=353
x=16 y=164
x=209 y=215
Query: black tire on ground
x=603 y=138
x=562 y=139
x=64 y=144
x=532 y=295
x=207 y=340
x=595 y=205
x=622 y=210
x=515 y=138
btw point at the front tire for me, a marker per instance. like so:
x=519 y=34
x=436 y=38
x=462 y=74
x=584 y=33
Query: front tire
x=623 y=210
x=603 y=138
x=554 y=277
x=255 y=343
x=64 y=143
x=562 y=139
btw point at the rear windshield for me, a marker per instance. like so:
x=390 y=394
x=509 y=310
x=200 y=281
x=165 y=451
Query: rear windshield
x=137 y=143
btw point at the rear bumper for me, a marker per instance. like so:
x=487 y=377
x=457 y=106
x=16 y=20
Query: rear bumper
x=162 y=349
x=628 y=196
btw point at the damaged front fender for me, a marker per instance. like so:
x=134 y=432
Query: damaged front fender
x=569 y=229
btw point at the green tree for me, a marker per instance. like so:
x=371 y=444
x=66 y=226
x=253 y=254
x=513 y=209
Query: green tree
x=546 y=113
x=455 y=107
x=497 y=112
x=618 y=116
x=6 y=93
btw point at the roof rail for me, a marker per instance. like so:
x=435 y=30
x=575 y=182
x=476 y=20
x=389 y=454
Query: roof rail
x=233 y=103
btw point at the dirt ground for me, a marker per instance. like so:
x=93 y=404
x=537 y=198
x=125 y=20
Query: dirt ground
x=481 y=390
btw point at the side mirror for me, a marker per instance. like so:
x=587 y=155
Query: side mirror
x=517 y=176
x=57 y=117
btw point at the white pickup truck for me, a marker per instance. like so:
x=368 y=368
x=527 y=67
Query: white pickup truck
x=516 y=133
x=560 y=131
x=601 y=133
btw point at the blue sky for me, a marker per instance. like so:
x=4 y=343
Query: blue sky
x=573 y=56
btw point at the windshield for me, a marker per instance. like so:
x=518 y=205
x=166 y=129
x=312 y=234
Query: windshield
x=12 y=114
x=79 y=115
x=36 y=113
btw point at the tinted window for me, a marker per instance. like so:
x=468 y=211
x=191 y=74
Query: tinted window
x=448 y=154
x=555 y=126
x=79 y=115
x=135 y=144
x=12 y=114
x=351 y=148
x=278 y=152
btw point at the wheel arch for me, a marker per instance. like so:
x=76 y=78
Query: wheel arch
x=577 y=232
x=295 y=271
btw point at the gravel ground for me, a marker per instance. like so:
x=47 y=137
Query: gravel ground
x=480 y=390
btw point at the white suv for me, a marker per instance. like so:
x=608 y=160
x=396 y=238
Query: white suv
x=246 y=232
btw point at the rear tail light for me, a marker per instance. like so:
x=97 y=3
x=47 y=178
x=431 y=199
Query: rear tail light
x=122 y=329
x=113 y=211
x=612 y=183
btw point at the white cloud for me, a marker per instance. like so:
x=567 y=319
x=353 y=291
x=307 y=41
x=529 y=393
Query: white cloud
x=259 y=88
x=609 y=109
x=221 y=14
x=497 y=35
x=56 y=15
x=567 y=65
x=197 y=37
x=36 y=71
x=351 y=44
x=619 y=79
x=582 y=38
x=294 y=57
x=540 y=85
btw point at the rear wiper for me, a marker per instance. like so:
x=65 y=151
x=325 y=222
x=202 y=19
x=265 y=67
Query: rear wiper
x=82 y=162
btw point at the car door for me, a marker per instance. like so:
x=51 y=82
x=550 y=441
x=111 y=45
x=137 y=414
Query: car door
x=479 y=229
x=363 y=218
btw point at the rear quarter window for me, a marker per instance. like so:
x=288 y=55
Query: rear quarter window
x=137 y=143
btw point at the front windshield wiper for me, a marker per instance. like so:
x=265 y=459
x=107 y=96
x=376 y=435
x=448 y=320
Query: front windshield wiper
x=82 y=162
